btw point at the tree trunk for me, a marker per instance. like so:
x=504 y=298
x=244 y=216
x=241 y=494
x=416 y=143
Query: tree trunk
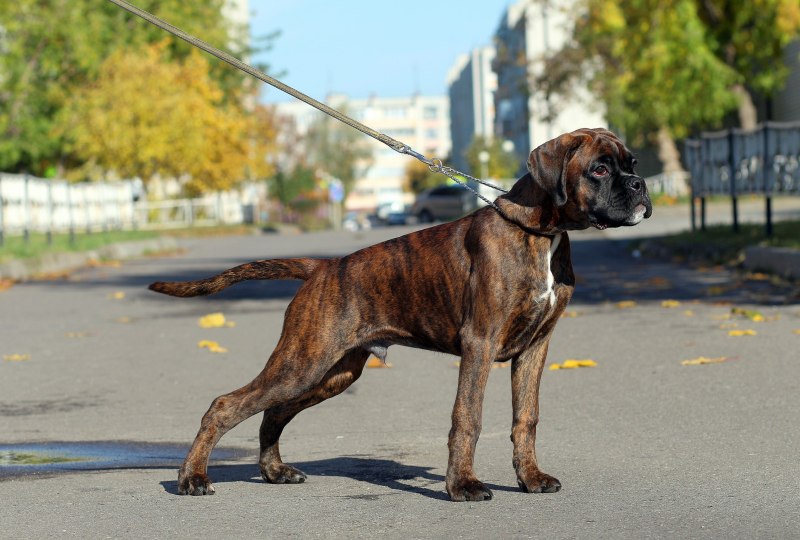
x=748 y=116
x=670 y=159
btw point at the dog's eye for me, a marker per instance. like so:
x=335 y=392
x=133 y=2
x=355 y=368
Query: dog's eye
x=601 y=170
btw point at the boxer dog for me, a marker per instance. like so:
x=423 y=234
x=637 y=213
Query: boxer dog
x=489 y=287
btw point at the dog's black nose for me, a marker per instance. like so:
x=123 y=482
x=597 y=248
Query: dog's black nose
x=635 y=184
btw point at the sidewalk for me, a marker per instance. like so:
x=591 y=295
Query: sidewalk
x=667 y=220
x=55 y=263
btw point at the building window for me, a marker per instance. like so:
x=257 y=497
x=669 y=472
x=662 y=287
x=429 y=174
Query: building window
x=431 y=133
x=395 y=112
x=430 y=112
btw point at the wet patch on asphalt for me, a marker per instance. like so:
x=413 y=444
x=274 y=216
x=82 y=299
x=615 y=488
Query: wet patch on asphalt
x=49 y=458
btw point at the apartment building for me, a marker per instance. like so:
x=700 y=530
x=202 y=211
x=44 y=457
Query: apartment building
x=422 y=122
x=471 y=87
x=528 y=31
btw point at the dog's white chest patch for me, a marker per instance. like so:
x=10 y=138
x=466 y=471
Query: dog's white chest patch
x=549 y=294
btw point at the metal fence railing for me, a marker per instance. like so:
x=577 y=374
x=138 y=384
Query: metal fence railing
x=36 y=205
x=734 y=162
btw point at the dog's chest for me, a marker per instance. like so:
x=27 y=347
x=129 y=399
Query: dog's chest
x=547 y=298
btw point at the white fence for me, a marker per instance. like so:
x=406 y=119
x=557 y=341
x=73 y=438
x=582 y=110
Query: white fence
x=29 y=204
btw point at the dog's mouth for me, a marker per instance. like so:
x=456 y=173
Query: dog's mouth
x=599 y=226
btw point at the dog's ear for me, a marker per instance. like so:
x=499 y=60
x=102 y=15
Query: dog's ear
x=547 y=164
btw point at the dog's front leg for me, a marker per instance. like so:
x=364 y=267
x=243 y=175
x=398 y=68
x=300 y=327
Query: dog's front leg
x=462 y=484
x=526 y=372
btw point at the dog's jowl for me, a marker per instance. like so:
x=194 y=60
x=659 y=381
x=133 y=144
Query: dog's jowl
x=489 y=287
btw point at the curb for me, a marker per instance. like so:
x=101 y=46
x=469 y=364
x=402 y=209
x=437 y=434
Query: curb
x=53 y=263
x=784 y=262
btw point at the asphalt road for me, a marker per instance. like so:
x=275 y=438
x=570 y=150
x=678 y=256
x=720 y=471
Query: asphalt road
x=645 y=447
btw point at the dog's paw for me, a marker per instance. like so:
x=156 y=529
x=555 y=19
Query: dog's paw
x=282 y=473
x=195 y=484
x=538 y=482
x=469 y=490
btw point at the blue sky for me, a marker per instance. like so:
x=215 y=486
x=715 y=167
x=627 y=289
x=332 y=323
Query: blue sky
x=359 y=48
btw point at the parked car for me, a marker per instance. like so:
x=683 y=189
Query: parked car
x=353 y=221
x=443 y=203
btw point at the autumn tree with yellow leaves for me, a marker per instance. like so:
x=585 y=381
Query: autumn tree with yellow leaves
x=51 y=49
x=147 y=114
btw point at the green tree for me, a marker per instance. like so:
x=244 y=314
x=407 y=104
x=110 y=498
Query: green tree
x=293 y=188
x=418 y=177
x=650 y=63
x=338 y=150
x=751 y=38
x=49 y=49
x=501 y=163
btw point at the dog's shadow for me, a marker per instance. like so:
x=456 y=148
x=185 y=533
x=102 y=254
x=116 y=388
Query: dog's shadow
x=380 y=472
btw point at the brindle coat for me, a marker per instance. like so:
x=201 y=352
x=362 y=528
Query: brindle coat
x=489 y=287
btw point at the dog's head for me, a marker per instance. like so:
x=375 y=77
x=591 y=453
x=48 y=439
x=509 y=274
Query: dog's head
x=578 y=180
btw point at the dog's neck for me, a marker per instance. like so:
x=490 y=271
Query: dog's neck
x=530 y=207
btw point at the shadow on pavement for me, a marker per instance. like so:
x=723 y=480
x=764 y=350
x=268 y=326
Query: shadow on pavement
x=606 y=271
x=380 y=472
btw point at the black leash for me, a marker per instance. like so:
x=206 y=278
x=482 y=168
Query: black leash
x=434 y=164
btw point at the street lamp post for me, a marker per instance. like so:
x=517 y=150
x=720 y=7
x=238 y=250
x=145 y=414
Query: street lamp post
x=483 y=157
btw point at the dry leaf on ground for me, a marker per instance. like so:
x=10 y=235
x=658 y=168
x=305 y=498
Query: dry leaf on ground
x=374 y=363
x=659 y=282
x=796 y=331
x=118 y=295
x=214 y=320
x=5 y=284
x=16 y=357
x=670 y=303
x=715 y=291
x=689 y=313
x=569 y=314
x=700 y=360
x=751 y=314
x=212 y=346
x=625 y=304
x=739 y=333
x=573 y=364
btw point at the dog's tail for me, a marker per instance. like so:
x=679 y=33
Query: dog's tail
x=266 y=269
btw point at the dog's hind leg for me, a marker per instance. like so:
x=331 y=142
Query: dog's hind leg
x=289 y=374
x=337 y=380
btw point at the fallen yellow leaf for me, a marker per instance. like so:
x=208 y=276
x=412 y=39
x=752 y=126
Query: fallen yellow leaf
x=737 y=333
x=375 y=362
x=715 y=291
x=703 y=360
x=670 y=303
x=625 y=304
x=5 y=284
x=569 y=314
x=124 y=320
x=796 y=331
x=212 y=346
x=689 y=313
x=751 y=314
x=214 y=320
x=659 y=281
x=118 y=295
x=110 y=263
x=16 y=357
x=573 y=364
